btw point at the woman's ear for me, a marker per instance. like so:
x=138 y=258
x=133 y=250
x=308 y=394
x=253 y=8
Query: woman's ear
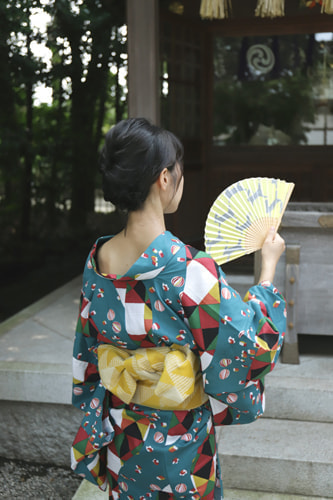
x=164 y=179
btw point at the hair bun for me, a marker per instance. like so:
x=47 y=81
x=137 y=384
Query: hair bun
x=134 y=154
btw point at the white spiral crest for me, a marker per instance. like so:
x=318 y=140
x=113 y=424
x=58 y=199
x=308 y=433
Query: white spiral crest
x=260 y=58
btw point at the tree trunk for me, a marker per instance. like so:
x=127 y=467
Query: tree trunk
x=10 y=130
x=83 y=157
x=28 y=159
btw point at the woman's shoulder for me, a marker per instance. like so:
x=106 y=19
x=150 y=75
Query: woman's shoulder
x=91 y=264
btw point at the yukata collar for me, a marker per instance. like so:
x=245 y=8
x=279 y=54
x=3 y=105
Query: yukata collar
x=150 y=263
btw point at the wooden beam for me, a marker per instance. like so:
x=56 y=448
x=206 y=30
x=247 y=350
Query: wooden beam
x=287 y=25
x=143 y=55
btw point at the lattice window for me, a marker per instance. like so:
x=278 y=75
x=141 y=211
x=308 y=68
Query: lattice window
x=180 y=79
x=273 y=90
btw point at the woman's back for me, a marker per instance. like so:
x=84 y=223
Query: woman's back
x=172 y=297
x=164 y=349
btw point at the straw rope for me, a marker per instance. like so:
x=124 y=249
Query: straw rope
x=327 y=6
x=270 y=8
x=215 y=9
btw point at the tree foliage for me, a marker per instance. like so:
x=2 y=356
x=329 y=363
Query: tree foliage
x=48 y=151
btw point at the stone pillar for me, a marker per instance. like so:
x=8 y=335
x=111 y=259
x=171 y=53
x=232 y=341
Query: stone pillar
x=143 y=56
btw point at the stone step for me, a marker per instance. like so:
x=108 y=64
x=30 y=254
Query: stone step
x=36 y=349
x=289 y=388
x=287 y=453
x=88 y=491
x=301 y=392
x=36 y=365
x=279 y=456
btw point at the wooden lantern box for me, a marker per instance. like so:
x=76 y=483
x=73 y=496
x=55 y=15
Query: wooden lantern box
x=305 y=273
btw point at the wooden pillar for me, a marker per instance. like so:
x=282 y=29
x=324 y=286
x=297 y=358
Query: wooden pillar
x=143 y=57
x=290 y=345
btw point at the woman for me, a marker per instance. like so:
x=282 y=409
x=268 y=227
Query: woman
x=165 y=349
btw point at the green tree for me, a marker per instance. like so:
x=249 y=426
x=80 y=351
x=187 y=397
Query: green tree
x=85 y=40
x=48 y=152
x=19 y=72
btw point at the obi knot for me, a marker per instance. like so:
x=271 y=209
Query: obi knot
x=166 y=378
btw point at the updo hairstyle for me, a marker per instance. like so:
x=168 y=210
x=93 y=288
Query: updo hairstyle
x=134 y=154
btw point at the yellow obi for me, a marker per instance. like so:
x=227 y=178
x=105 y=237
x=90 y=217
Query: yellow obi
x=165 y=378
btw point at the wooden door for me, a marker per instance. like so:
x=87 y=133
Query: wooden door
x=183 y=90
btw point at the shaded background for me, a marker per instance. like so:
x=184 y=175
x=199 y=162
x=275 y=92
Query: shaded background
x=62 y=71
x=63 y=83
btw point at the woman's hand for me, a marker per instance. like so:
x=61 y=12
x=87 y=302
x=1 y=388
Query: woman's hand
x=271 y=252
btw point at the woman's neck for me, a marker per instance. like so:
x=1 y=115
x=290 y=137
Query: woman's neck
x=144 y=225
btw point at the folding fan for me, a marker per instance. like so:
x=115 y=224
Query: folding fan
x=241 y=216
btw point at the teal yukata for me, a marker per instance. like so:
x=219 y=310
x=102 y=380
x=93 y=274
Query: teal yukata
x=173 y=294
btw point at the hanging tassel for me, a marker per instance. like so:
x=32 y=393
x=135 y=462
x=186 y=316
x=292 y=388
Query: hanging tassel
x=327 y=6
x=215 y=9
x=177 y=8
x=270 y=8
x=310 y=4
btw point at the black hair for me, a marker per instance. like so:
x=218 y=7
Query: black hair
x=134 y=154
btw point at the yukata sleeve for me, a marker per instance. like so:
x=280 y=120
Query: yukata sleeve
x=238 y=341
x=88 y=452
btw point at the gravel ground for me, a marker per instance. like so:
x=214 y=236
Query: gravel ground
x=24 y=480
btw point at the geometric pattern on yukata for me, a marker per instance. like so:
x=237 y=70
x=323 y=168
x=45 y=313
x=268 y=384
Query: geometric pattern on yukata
x=204 y=467
x=178 y=461
x=138 y=313
x=130 y=431
x=172 y=294
x=201 y=299
x=268 y=345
